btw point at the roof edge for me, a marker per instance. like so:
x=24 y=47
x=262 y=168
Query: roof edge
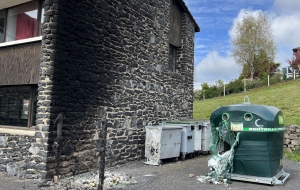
x=185 y=8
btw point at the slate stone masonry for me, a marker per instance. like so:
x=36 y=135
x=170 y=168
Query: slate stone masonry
x=291 y=138
x=19 y=157
x=108 y=60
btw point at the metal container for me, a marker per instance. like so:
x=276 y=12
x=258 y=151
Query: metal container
x=198 y=138
x=205 y=137
x=187 y=139
x=162 y=142
x=259 y=152
x=197 y=131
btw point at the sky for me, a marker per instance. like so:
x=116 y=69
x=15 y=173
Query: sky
x=216 y=18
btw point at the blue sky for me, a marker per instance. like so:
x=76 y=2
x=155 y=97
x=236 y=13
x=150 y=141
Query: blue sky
x=216 y=19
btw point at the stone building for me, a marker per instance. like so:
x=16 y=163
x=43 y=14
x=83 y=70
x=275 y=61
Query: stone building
x=77 y=65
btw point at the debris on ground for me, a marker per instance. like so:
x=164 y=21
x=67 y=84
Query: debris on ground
x=221 y=165
x=90 y=180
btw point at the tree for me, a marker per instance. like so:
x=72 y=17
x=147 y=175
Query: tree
x=220 y=87
x=252 y=37
x=295 y=61
x=262 y=65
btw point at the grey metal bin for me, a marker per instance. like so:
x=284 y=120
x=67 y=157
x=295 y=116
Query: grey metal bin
x=197 y=131
x=162 y=142
x=187 y=141
x=197 y=139
x=206 y=133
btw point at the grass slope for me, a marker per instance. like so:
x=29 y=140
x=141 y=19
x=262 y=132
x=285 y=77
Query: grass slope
x=285 y=96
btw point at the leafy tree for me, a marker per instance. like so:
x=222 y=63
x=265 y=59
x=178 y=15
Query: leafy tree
x=253 y=43
x=295 y=61
x=220 y=87
x=198 y=95
x=235 y=86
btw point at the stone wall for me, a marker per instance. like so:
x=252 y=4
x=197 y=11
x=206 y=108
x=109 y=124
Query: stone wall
x=109 y=60
x=20 y=157
x=291 y=137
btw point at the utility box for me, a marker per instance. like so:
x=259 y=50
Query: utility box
x=162 y=142
x=259 y=152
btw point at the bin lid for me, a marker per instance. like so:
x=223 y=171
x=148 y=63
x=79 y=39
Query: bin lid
x=266 y=112
x=164 y=127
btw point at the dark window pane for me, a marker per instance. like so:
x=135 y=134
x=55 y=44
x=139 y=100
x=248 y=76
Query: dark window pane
x=22 y=22
x=2 y=20
x=172 y=58
x=15 y=105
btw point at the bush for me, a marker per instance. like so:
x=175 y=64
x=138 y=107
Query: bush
x=276 y=78
x=235 y=86
x=254 y=84
x=198 y=95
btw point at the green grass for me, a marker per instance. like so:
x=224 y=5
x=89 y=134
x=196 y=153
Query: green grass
x=285 y=96
x=294 y=156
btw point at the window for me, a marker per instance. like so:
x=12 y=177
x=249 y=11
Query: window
x=21 y=22
x=18 y=105
x=172 y=58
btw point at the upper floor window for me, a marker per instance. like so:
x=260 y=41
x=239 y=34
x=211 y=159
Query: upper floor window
x=22 y=21
x=172 y=58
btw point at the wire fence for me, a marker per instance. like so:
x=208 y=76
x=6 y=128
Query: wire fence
x=240 y=85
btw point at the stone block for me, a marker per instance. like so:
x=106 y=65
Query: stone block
x=292 y=128
x=11 y=168
x=288 y=150
x=287 y=141
x=3 y=141
x=295 y=142
x=2 y=167
x=293 y=136
x=34 y=150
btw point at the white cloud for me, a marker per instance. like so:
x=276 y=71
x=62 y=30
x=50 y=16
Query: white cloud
x=212 y=51
x=215 y=67
x=286 y=7
x=285 y=17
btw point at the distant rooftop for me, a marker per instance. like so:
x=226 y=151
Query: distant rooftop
x=296 y=49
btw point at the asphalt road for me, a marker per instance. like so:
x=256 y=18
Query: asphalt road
x=176 y=176
x=170 y=176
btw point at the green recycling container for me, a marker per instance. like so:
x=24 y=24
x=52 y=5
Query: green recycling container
x=260 y=148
